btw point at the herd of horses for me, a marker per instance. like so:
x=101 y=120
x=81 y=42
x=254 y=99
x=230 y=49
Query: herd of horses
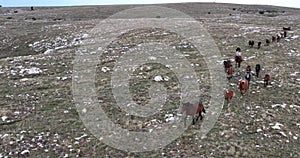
x=191 y=109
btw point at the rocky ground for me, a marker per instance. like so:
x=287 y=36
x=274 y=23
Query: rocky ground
x=38 y=112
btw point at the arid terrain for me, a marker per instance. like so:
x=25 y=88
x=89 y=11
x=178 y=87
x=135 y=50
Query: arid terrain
x=38 y=116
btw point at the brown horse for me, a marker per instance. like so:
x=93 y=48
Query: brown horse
x=227 y=64
x=238 y=60
x=228 y=94
x=229 y=72
x=273 y=38
x=266 y=79
x=191 y=110
x=243 y=86
x=248 y=68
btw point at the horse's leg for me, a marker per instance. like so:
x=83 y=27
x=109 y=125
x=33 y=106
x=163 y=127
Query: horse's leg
x=185 y=120
x=198 y=116
x=193 y=120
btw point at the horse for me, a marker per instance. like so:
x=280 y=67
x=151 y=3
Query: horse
x=257 y=69
x=286 y=28
x=251 y=43
x=248 y=68
x=238 y=60
x=248 y=77
x=258 y=45
x=266 y=79
x=278 y=37
x=227 y=64
x=228 y=94
x=273 y=38
x=191 y=110
x=284 y=34
x=229 y=71
x=243 y=86
x=238 y=57
x=267 y=42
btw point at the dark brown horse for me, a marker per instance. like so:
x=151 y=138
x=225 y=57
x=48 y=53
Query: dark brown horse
x=238 y=60
x=258 y=45
x=286 y=28
x=251 y=43
x=227 y=64
x=266 y=79
x=268 y=42
x=229 y=72
x=191 y=110
x=273 y=38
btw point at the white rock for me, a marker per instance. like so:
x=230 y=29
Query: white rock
x=294 y=74
x=168 y=66
x=294 y=106
x=17 y=113
x=277 y=126
x=258 y=130
x=282 y=133
x=158 y=78
x=294 y=37
x=48 y=51
x=33 y=70
x=105 y=69
x=64 y=78
x=24 y=79
x=152 y=58
x=4 y=118
x=78 y=138
x=166 y=78
x=279 y=105
x=25 y=152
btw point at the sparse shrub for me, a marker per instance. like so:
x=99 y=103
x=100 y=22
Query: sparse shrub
x=58 y=19
x=9 y=17
x=157 y=16
x=33 y=18
x=208 y=13
x=230 y=14
x=233 y=8
x=261 y=12
x=15 y=11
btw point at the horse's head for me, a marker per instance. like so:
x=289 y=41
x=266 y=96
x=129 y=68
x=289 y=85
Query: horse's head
x=185 y=107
